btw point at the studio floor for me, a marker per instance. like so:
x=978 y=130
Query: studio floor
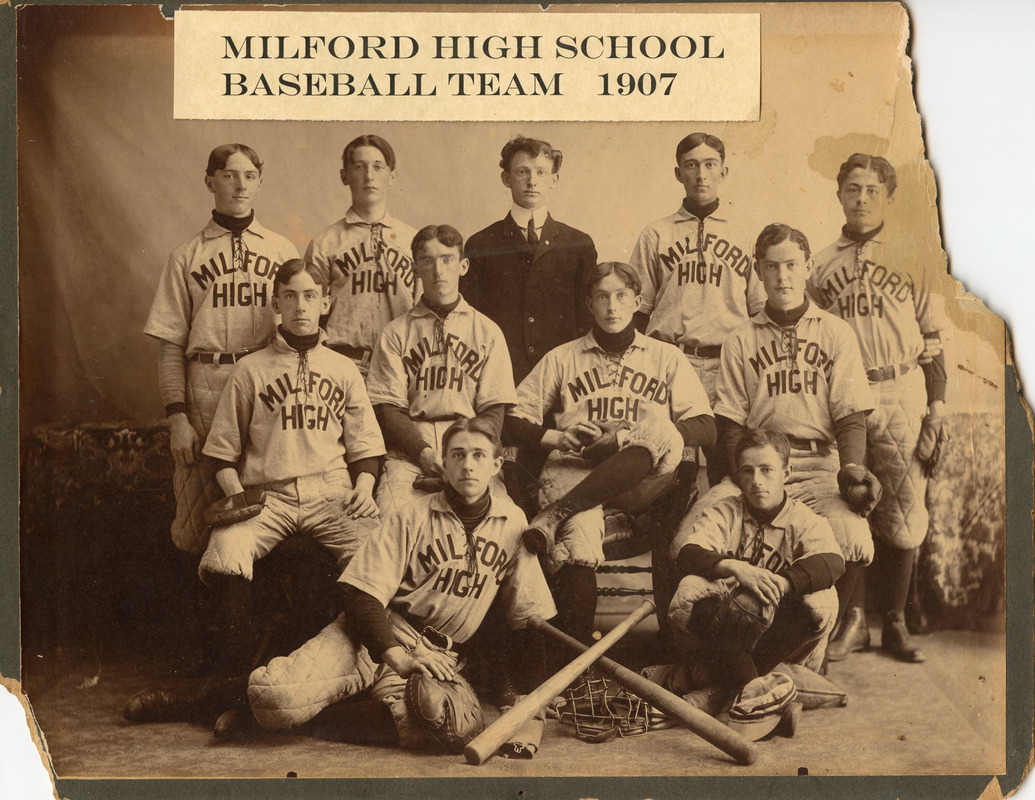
x=945 y=716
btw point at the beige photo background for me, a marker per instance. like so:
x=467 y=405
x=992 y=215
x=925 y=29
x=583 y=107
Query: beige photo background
x=110 y=183
x=156 y=198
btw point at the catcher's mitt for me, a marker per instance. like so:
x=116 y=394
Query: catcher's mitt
x=934 y=435
x=235 y=508
x=860 y=488
x=741 y=619
x=449 y=710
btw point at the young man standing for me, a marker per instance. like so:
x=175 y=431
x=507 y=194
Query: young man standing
x=365 y=255
x=212 y=306
x=439 y=362
x=878 y=282
x=796 y=369
x=526 y=270
x=695 y=267
x=772 y=550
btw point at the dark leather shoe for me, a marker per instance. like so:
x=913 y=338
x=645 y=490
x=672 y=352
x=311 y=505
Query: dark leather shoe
x=157 y=705
x=541 y=532
x=236 y=725
x=894 y=639
x=853 y=636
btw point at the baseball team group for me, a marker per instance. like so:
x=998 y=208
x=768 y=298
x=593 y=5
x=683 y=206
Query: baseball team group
x=457 y=423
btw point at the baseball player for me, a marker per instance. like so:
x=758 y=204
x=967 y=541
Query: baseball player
x=796 y=369
x=881 y=284
x=438 y=362
x=613 y=408
x=757 y=572
x=213 y=306
x=695 y=267
x=422 y=584
x=294 y=421
x=366 y=254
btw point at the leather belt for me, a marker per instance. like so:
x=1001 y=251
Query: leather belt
x=355 y=353
x=813 y=445
x=878 y=374
x=222 y=358
x=702 y=350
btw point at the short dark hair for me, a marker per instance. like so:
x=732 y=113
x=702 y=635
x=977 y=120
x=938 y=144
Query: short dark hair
x=881 y=166
x=694 y=140
x=777 y=232
x=368 y=140
x=534 y=147
x=443 y=234
x=473 y=425
x=219 y=156
x=598 y=272
x=760 y=437
x=292 y=267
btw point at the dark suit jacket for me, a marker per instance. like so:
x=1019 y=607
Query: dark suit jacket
x=535 y=298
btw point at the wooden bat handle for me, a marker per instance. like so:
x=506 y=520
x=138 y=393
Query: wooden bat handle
x=705 y=726
x=485 y=745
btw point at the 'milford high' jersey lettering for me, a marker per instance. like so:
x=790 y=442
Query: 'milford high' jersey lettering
x=221 y=264
x=469 y=358
x=761 y=385
x=850 y=289
x=692 y=265
x=364 y=272
x=275 y=424
x=884 y=290
x=208 y=304
x=579 y=382
x=372 y=282
x=421 y=563
x=698 y=283
x=441 y=369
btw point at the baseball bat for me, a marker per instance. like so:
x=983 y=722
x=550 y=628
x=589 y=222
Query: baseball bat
x=705 y=726
x=485 y=745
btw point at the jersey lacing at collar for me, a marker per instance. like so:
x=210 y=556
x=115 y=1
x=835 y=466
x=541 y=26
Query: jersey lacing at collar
x=302 y=345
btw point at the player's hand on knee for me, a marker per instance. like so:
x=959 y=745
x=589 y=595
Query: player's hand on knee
x=430 y=462
x=358 y=504
x=183 y=440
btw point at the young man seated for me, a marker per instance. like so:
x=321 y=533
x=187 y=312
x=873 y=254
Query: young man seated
x=756 y=575
x=295 y=422
x=424 y=583
x=439 y=362
x=614 y=409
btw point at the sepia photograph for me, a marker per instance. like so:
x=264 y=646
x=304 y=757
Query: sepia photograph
x=575 y=399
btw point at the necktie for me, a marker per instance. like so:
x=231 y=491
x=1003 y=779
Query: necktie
x=533 y=237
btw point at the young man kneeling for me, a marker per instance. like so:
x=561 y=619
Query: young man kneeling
x=758 y=569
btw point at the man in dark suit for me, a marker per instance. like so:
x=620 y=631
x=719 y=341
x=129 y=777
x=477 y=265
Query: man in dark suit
x=526 y=270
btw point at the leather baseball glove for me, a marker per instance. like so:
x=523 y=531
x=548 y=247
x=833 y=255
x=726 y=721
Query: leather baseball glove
x=934 y=435
x=449 y=710
x=741 y=619
x=860 y=488
x=235 y=508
